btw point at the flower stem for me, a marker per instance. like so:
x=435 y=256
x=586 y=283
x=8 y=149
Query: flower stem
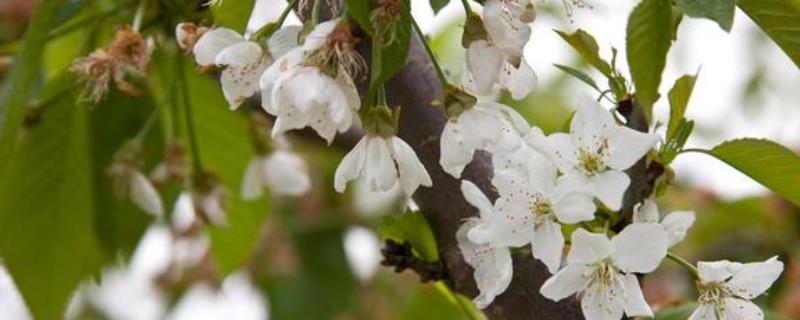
x=198 y=167
x=439 y=72
x=467 y=8
x=681 y=261
x=137 y=19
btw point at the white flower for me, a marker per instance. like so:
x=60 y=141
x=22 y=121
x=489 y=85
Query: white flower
x=243 y=61
x=596 y=151
x=283 y=171
x=311 y=86
x=144 y=194
x=488 y=126
x=602 y=271
x=726 y=288
x=676 y=224
x=532 y=202
x=489 y=70
x=383 y=162
x=506 y=22
x=492 y=262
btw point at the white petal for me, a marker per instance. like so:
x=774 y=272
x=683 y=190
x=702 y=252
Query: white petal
x=271 y=75
x=351 y=166
x=484 y=63
x=253 y=181
x=145 y=195
x=319 y=35
x=283 y=41
x=512 y=223
x=610 y=187
x=379 y=168
x=753 y=279
x=626 y=146
x=677 y=224
x=646 y=212
x=519 y=81
x=588 y=248
x=704 y=312
x=575 y=207
x=738 y=309
x=506 y=30
x=286 y=173
x=640 y=247
x=635 y=304
x=592 y=125
x=548 y=243
x=600 y=302
x=493 y=265
x=559 y=148
x=476 y=198
x=412 y=172
x=454 y=155
x=212 y=43
x=716 y=271
x=565 y=283
x=240 y=54
x=241 y=82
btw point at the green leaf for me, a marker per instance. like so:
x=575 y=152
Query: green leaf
x=767 y=162
x=393 y=57
x=721 y=11
x=678 y=100
x=649 y=36
x=438 y=5
x=17 y=86
x=233 y=14
x=411 y=227
x=779 y=19
x=586 y=45
x=359 y=10
x=225 y=149
x=580 y=75
x=47 y=239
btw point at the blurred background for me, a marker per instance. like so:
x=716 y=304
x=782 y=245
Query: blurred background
x=318 y=256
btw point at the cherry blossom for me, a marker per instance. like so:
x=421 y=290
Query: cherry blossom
x=676 y=224
x=243 y=61
x=726 y=288
x=144 y=194
x=312 y=85
x=532 y=202
x=486 y=126
x=284 y=172
x=596 y=151
x=602 y=271
x=383 y=162
x=491 y=261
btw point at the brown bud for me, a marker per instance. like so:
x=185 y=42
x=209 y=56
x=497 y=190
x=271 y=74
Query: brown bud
x=187 y=34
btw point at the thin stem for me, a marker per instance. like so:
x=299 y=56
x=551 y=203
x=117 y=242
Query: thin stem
x=681 y=261
x=198 y=167
x=139 y=17
x=467 y=8
x=693 y=150
x=285 y=13
x=315 y=12
x=148 y=125
x=439 y=73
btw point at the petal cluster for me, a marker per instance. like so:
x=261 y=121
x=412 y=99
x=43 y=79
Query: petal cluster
x=726 y=288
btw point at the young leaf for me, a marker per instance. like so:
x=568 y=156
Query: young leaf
x=586 y=45
x=678 y=100
x=580 y=75
x=233 y=14
x=649 y=36
x=438 y=5
x=767 y=162
x=411 y=227
x=720 y=11
x=780 y=20
x=47 y=235
x=359 y=10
